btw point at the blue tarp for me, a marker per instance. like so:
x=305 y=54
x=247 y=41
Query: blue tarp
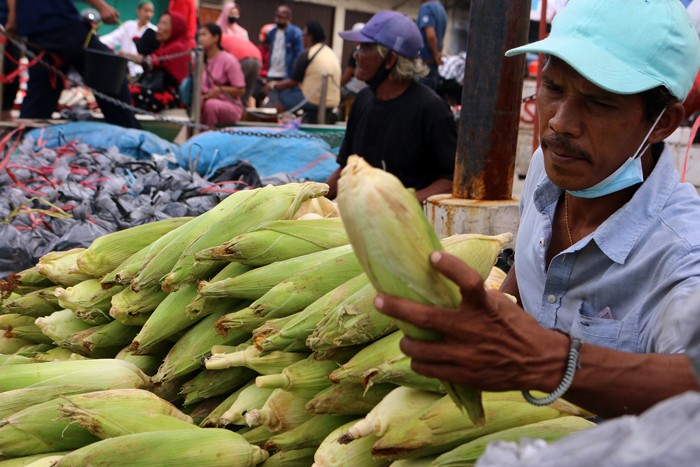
x=302 y=157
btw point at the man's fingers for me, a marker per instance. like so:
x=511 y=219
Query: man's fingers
x=469 y=281
x=422 y=316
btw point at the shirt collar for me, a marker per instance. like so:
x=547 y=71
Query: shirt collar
x=621 y=231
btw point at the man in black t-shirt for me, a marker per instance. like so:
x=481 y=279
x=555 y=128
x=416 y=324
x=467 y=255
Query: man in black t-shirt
x=397 y=123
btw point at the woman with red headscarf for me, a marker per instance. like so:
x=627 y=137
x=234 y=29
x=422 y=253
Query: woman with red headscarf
x=157 y=87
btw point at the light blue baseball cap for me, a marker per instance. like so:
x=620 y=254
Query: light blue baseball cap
x=625 y=46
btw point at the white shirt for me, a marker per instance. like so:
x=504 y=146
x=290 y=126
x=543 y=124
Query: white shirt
x=277 y=57
x=122 y=40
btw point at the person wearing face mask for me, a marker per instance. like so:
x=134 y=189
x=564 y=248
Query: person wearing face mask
x=395 y=122
x=285 y=42
x=608 y=247
x=228 y=21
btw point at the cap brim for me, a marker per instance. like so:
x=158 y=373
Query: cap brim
x=355 y=36
x=593 y=63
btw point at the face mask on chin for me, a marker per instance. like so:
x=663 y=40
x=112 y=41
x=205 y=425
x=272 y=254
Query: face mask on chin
x=628 y=174
x=232 y=19
x=380 y=75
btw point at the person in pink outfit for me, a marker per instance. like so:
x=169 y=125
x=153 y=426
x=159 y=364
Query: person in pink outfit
x=250 y=57
x=188 y=9
x=228 y=21
x=223 y=82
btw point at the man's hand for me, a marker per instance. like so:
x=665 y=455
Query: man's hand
x=109 y=15
x=489 y=343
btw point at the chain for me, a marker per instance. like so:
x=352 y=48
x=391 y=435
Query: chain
x=188 y=124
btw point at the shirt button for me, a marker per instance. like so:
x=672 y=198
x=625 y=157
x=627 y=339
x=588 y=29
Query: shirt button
x=542 y=241
x=551 y=298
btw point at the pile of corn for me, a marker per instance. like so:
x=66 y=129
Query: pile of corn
x=244 y=336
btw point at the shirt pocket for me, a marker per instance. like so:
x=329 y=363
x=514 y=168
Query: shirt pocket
x=604 y=332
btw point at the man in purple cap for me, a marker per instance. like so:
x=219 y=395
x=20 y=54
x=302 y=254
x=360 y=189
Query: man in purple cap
x=397 y=123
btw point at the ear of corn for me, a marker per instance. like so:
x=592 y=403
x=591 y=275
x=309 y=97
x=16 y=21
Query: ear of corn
x=250 y=398
x=40 y=428
x=271 y=363
x=331 y=453
x=23 y=327
x=376 y=209
x=440 y=427
x=19 y=399
x=60 y=325
x=548 y=430
x=392 y=411
x=309 y=434
x=242 y=320
x=308 y=375
x=257 y=436
x=213 y=418
x=272 y=327
x=282 y=411
x=147 y=363
x=383 y=362
x=214 y=446
x=105 y=373
x=315 y=208
x=202 y=306
x=209 y=384
x=279 y=240
x=107 y=340
x=38 y=303
x=127 y=303
x=88 y=300
x=23 y=282
x=26 y=461
x=254 y=284
x=348 y=399
x=10 y=345
x=57 y=267
x=186 y=355
x=57 y=354
x=108 y=251
x=353 y=322
x=292 y=458
x=119 y=412
x=268 y=203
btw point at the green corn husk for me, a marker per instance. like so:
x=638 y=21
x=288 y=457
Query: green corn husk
x=383 y=362
x=303 y=289
x=422 y=462
x=107 y=252
x=272 y=327
x=255 y=283
x=331 y=453
x=14 y=359
x=34 y=349
x=58 y=267
x=210 y=447
x=88 y=300
x=257 y=436
x=308 y=375
x=129 y=304
x=38 y=303
x=39 y=429
x=30 y=277
x=279 y=240
x=37 y=460
x=309 y=434
x=291 y=458
x=147 y=363
x=200 y=411
x=213 y=418
x=348 y=399
x=110 y=373
x=208 y=384
x=282 y=411
x=19 y=399
x=23 y=327
x=265 y=204
x=548 y=430
x=293 y=335
x=60 y=325
x=202 y=306
x=119 y=412
x=376 y=209
x=57 y=354
x=273 y=362
x=104 y=341
x=394 y=410
x=186 y=355
x=440 y=427
x=10 y=345
x=353 y=322
x=243 y=320
x=249 y=398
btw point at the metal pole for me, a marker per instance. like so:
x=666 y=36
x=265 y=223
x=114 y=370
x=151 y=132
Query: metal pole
x=493 y=85
x=197 y=88
x=322 y=104
x=2 y=66
x=542 y=33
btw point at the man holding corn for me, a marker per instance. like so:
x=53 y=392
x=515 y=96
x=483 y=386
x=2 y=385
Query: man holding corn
x=608 y=249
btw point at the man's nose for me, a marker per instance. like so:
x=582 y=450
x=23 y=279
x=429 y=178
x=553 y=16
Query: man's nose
x=567 y=117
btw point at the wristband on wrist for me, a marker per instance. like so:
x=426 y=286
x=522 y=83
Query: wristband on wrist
x=572 y=363
x=273 y=85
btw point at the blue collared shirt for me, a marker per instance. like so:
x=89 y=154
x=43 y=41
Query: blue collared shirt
x=622 y=286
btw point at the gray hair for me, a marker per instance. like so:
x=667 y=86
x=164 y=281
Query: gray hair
x=405 y=69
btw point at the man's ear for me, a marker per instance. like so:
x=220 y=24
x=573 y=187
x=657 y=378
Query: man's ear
x=670 y=120
x=391 y=61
